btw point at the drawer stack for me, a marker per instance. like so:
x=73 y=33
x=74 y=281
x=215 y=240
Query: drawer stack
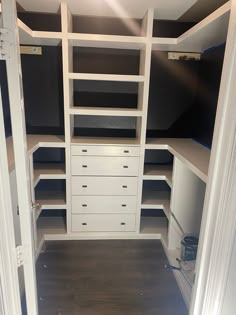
x=104 y=188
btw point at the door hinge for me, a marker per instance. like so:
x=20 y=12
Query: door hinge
x=5 y=44
x=19 y=256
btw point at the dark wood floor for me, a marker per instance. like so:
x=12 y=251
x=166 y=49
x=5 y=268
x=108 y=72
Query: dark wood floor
x=117 y=277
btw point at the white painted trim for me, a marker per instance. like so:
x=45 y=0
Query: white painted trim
x=16 y=99
x=219 y=217
x=9 y=282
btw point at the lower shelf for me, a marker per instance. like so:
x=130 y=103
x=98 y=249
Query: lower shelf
x=50 y=225
x=154 y=225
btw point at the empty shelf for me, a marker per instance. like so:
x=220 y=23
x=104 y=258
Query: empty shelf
x=102 y=111
x=50 y=226
x=51 y=199
x=106 y=41
x=107 y=141
x=158 y=172
x=29 y=37
x=106 y=77
x=48 y=171
x=194 y=155
x=156 y=200
x=50 y=141
x=153 y=225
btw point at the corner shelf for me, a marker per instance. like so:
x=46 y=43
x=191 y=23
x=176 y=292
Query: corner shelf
x=104 y=111
x=50 y=200
x=50 y=226
x=194 y=155
x=156 y=200
x=208 y=33
x=48 y=171
x=158 y=172
x=153 y=225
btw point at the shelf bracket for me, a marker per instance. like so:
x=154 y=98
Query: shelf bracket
x=5 y=44
x=19 y=256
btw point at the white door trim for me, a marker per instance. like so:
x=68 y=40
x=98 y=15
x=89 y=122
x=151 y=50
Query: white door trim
x=16 y=99
x=219 y=217
x=9 y=282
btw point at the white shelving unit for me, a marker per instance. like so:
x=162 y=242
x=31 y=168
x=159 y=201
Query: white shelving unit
x=156 y=200
x=158 y=172
x=193 y=156
x=48 y=171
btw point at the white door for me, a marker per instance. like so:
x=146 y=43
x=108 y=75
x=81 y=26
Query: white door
x=11 y=49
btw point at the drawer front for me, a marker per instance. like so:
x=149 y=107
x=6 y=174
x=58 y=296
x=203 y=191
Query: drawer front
x=104 y=150
x=103 y=204
x=106 y=186
x=103 y=223
x=104 y=165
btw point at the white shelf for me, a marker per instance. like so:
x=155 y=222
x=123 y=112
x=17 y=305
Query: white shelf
x=153 y=225
x=104 y=111
x=156 y=200
x=194 y=155
x=50 y=200
x=50 y=226
x=29 y=37
x=48 y=171
x=106 y=41
x=164 y=44
x=33 y=143
x=107 y=141
x=106 y=77
x=158 y=172
x=47 y=141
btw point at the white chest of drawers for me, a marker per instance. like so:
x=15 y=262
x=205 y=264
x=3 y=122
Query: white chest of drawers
x=104 y=187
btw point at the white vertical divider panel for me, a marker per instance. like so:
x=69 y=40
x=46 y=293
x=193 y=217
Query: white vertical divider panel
x=9 y=282
x=143 y=95
x=15 y=87
x=67 y=61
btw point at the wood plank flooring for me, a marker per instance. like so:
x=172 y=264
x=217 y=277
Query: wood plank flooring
x=114 y=277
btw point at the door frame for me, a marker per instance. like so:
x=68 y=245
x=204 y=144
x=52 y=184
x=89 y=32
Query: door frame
x=219 y=216
x=218 y=230
x=11 y=46
x=9 y=281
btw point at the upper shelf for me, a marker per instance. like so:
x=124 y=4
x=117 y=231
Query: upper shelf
x=191 y=153
x=106 y=41
x=33 y=143
x=29 y=37
x=210 y=32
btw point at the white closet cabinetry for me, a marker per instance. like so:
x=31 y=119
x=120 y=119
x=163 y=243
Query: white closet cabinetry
x=104 y=188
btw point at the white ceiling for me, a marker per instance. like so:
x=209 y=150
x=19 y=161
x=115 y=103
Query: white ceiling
x=165 y=9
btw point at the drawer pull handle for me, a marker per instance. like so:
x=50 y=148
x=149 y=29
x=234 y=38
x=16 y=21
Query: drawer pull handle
x=84 y=166
x=124 y=186
x=123 y=223
x=126 y=151
x=84 y=151
x=125 y=166
x=124 y=206
x=84 y=186
x=84 y=205
x=84 y=223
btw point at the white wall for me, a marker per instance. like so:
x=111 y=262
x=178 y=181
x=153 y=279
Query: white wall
x=229 y=305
